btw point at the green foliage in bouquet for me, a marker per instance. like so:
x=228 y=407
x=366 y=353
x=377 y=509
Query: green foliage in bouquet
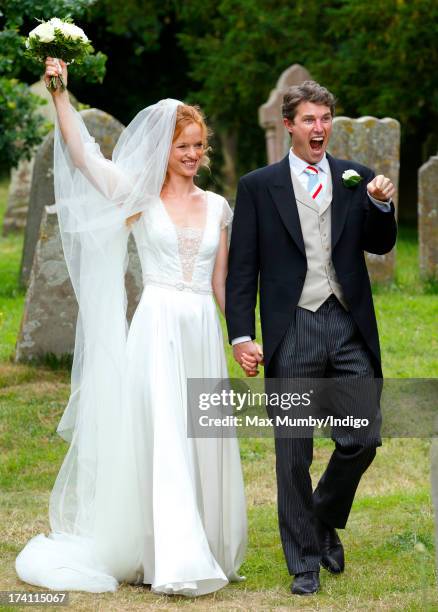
x=71 y=50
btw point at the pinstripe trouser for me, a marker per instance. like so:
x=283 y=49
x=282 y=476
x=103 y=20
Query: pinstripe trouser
x=321 y=344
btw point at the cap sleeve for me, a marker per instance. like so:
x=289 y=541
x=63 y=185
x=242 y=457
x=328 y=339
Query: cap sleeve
x=227 y=215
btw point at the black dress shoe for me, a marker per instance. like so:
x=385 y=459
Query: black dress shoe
x=305 y=583
x=332 y=551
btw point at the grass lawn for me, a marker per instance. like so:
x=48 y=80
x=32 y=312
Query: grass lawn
x=389 y=538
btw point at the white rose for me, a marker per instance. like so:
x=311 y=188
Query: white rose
x=74 y=32
x=56 y=23
x=349 y=174
x=69 y=29
x=45 y=32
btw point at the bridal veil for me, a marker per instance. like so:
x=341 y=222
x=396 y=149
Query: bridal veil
x=92 y=496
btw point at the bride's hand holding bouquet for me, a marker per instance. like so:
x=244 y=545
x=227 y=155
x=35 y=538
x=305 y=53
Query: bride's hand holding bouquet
x=57 y=43
x=55 y=69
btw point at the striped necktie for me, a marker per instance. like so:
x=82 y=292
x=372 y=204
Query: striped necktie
x=314 y=184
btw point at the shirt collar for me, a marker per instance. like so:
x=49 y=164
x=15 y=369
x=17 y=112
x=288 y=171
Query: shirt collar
x=298 y=165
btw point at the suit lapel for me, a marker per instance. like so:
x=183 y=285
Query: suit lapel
x=340 y=200
x=282 y=192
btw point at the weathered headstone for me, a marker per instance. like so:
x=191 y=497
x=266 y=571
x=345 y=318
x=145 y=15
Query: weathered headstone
x=270 y=119
x=50 y=311
x=428 y=218
x=376 y=144
x=19 y=188
x=41 y=194
x=18 y=197
x=106 y=130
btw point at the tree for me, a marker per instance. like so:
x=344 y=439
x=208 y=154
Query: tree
x=237 y=50
x=145 y=62
x=21 y=127
x=377 y=57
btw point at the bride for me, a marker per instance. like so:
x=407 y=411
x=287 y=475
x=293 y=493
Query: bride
x=137 y=500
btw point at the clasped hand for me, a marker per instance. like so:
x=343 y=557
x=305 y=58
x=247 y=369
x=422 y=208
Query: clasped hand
x=249 y=355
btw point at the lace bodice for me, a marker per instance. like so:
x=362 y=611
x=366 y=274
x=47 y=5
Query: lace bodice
x=189 y=241
x=180 y=257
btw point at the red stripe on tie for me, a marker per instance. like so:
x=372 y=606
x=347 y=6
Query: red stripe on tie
x=317 y=191
x=315 y=170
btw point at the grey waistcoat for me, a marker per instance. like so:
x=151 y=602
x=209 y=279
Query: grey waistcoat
x=321 y=280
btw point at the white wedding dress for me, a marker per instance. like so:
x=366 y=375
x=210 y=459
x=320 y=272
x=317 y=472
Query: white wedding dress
x=136 y=500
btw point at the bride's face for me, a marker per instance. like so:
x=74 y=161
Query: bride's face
x=186 y=152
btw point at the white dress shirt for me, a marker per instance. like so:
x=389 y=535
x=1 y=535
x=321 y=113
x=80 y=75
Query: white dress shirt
x=298 y=166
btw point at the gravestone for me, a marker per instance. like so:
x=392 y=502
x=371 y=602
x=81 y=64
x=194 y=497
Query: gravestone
x=41 y=194
x=106 y=130
x=19 y=188
x=376 y=144
x=270 y=118
x=428 y=218
x=18 y=197
x=50 y=310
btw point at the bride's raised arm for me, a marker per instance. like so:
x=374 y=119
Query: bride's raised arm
x=130 y=180
x=84 y=153
x=61 y=101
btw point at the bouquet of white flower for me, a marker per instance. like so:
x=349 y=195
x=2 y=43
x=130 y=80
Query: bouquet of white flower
x=58 y=39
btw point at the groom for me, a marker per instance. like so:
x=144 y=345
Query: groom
x=301 y=228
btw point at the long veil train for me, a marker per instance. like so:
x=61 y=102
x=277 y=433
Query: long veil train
x=92 y=497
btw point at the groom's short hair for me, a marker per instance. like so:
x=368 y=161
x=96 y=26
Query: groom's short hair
x=308 y=91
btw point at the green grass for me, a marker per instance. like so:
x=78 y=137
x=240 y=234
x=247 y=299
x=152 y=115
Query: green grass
x=407 y=315
x=389 y=538
x=11 y=297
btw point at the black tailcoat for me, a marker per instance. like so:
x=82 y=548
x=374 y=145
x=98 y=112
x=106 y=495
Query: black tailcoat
x=267 y=246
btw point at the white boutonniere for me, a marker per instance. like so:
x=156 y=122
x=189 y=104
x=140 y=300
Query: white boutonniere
x=351 y=178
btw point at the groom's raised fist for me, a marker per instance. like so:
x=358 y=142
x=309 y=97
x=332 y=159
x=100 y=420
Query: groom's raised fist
x=381 y=188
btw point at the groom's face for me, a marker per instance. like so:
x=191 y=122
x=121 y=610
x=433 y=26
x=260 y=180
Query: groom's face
x=310 y=130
